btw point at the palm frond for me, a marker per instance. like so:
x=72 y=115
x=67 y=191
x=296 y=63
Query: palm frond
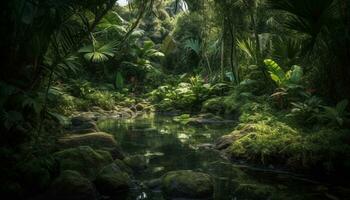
x=98 y=53
x=194 y=45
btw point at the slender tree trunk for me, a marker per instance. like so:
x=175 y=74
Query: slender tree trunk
x=259 y=61
x=223 y=58
x=233 y=55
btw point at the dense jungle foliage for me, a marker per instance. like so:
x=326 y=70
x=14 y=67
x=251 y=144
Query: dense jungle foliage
x=279 y=69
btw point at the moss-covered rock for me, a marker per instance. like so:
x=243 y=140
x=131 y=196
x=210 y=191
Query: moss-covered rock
x=253 y=192
x=187 y=184
x=98 y=140
x=83 y=159
x=113 y=182
x=226 y=141
x=83 y=119
x=95 y=140
x=71 y=185
x=214 y=105
x=136 y=162
x=206 y=118
x=122 y=166
x=85 y=127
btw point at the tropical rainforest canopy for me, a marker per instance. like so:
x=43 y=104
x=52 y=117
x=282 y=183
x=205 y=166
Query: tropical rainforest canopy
x=107 y=99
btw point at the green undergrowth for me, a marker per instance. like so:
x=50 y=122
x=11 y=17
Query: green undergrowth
x=187 y=94
x=83 y=95
x=271 y=137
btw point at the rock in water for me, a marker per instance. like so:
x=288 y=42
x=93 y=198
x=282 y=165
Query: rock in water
x=82 y=119
x=83 y=159
x=136 y=162
x=71 y=185
x=95 y=140
x=187 y=184
x=114 y=184
x=98 y=140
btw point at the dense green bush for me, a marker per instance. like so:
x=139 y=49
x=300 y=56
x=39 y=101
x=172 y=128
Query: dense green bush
x=187 y=95
x=273 y=139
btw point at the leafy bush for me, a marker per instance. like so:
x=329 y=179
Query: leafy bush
x=337 y=115
x=270 y=138
x=290 y=79
x=288 y=83
x=306 y=112
x=187 y=95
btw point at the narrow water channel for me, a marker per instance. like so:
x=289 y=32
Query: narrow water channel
x=172 y=146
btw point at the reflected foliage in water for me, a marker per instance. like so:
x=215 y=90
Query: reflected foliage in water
x=172 y=146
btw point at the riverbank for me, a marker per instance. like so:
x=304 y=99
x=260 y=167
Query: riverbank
x=261 y=136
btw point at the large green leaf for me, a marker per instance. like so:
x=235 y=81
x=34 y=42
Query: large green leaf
x=98 y=53
x=296 y=74
x=276 y=72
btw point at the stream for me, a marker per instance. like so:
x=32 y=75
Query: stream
x=172 y=146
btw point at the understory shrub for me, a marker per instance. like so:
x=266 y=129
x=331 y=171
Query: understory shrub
x=273 y=139
x=187 y=95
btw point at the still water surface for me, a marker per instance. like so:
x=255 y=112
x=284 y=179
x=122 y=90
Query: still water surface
x=172 y=146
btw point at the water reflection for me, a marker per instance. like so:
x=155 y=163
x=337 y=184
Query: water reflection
x=171 y=146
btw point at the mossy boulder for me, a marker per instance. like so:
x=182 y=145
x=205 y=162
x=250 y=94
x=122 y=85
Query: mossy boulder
x=136 y=162
x=85 y=127
x=83 y=159
x=125 y=112
x=214 y=105
x=254 y=192
x=187 y=184
x=83 y=119
x=122 y=166
x=142 y=107
x=226 y=141
x=95 y=140
x=113 y=182
x=206 y=118
x=71 y=185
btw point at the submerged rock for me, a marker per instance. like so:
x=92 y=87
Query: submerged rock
x=136 y=162
x=83 y=159
x=253 y=192
x=71 y=185
x=187 y=184
x=113 y=181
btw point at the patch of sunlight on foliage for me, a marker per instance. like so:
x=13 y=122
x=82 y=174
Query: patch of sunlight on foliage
x=188 y=94
x=183 y=119
x=272 y=139
x=265 y=142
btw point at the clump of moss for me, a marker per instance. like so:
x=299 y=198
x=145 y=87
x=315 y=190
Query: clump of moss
x=264 y=143
x=273 y=139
